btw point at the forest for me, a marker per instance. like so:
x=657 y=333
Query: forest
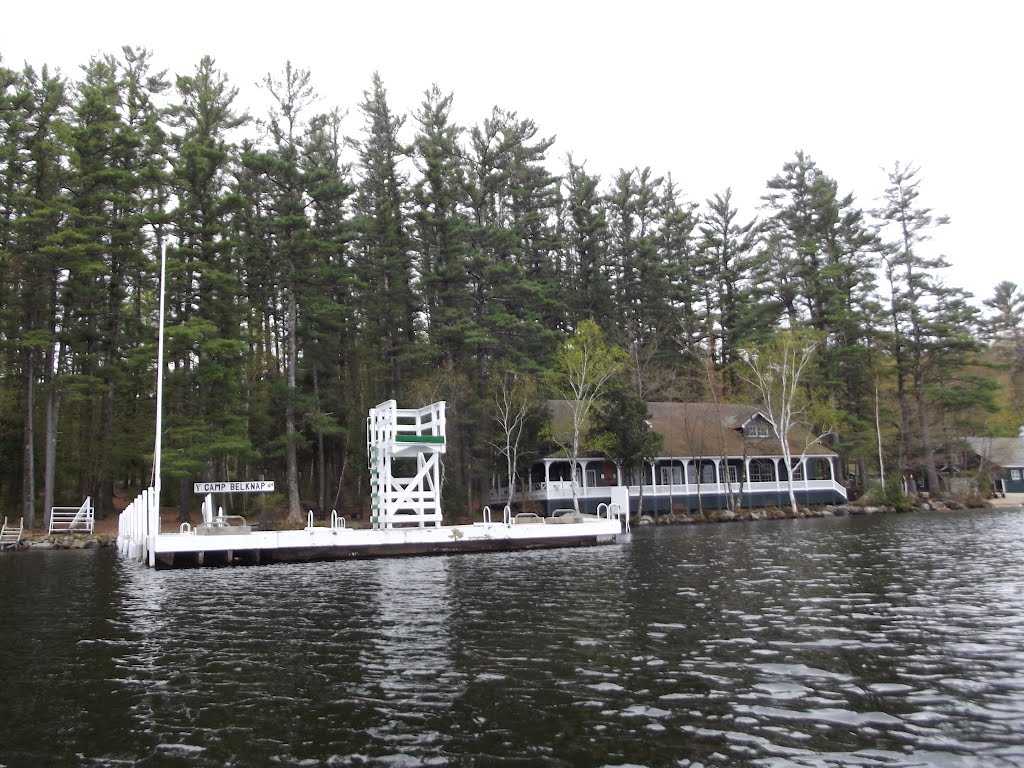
x=320 y=262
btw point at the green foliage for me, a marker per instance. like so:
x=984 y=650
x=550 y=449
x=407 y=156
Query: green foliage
x=621 y=429
x=890 y=495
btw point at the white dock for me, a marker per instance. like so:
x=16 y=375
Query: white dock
x=340 y=543
x=405 y=514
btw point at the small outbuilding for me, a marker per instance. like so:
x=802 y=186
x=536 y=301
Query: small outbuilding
x=1002 y=459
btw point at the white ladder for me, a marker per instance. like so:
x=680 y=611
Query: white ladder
x=10 y=537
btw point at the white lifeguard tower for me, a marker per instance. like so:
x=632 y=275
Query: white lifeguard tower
x=417 y=434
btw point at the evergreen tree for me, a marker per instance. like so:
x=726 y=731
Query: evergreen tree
x=641 y=283
x=621 y=432
x=822 y=256
x=442 y=229
x=586 y=273
x=327 y=328
x=678 y=244
x=735 y=311
x=383 y=259
x=118 y=159
x=513 y=243
x=32 y=159
x=284 y=233
x=207 y=426
x=1005 y=329
x=441 y=218
x=931 y=343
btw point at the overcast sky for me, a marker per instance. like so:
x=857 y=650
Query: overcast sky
x=720 y=94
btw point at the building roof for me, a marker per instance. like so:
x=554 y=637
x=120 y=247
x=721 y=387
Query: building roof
x=701 y=430
x=1003 y=451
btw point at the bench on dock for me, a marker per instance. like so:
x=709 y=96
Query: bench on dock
x=73 y=519
x=10 y=537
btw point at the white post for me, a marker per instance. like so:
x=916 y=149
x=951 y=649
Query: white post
x=155 y=484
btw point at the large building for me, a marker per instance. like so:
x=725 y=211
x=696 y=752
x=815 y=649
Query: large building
x=713 y=457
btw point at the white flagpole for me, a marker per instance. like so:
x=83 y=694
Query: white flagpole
x=159 y=378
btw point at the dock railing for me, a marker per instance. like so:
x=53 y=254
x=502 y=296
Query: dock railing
x=73 y=519
x=137 y=525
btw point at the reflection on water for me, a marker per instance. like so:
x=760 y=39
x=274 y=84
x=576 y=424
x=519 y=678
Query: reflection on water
x=888 y=641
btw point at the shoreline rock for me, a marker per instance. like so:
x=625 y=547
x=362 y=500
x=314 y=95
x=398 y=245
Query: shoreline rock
x=47 y=542
x=777 y=513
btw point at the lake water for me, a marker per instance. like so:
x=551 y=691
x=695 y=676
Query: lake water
x=867 y=641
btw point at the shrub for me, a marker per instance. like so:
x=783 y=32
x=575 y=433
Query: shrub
x=889 y=495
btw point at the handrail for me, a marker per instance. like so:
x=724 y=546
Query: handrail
x=506 y=515
x=525 y=516
x=337 y=521
x=67 y=519
x=487 y=515
x=621 y=513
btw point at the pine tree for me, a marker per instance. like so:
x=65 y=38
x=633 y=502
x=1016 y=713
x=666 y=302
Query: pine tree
x=931 y=342
x=736 y=309
x=118 y=159
x=513 y=243
x=32 y=107
x=442 y=229
x=282 y=230
x=1005 y=329
x=823 y=258
x=207 y=426
x=586 y=273
x=641 y=282
x=334 y=417
x=383 y=259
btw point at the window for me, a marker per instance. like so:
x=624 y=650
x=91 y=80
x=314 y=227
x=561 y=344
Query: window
x=591 y=478
x=798 y=472
x=1015 y=474
x=672 y=475
x=820 y=469
x=762 y=471
x=733 y=475
x=758 y=429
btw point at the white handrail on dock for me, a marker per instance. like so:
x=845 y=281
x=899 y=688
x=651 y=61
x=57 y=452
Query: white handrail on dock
x=614 y=510
x=337 y=521
x=70 y=519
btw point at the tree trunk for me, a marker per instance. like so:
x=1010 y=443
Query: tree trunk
x=50 y=450
x=28 y=485
x=321 y=459
x=291 y=452
x=926 y=440
x=54 y=365
x=105 y=497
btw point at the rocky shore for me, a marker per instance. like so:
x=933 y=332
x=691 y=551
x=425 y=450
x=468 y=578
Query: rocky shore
x=778 y=513
x=41 y=542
